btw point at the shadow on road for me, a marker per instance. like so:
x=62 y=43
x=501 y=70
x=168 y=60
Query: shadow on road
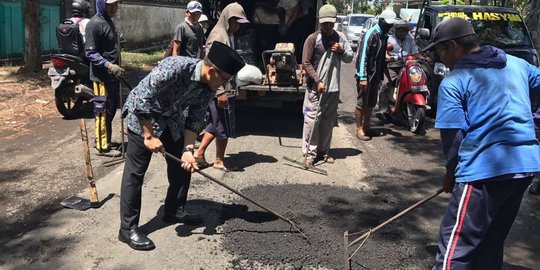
x=213 y=213
x=343 y=153
x=246 y=159
x=14 y=175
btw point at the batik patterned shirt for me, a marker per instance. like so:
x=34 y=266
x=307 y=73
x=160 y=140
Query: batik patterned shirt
x=171 y=96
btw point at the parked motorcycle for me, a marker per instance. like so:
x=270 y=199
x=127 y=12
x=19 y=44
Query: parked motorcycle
x=411 y=94
x=71 y=83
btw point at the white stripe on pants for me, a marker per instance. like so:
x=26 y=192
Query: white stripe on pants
x=316 y=137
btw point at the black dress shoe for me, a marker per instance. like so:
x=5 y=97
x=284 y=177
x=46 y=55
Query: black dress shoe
x=535 y=188
x=136 y=240
x=184 y=217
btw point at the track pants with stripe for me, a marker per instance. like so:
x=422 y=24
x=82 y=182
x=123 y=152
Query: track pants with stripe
x=106 y=101
x=476 y=223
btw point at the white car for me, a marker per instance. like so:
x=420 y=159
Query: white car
x=352 y=27
x=339 y=23
x=369 y=23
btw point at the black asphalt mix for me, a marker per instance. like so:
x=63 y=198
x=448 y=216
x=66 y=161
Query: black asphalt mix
x=324 y=213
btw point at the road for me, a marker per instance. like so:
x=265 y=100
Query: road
x=370 y=182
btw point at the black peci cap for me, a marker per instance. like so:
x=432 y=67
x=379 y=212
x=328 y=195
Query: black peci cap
x=225 y=58
x=449 y=29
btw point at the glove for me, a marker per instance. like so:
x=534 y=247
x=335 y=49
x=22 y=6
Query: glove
x=117 y=71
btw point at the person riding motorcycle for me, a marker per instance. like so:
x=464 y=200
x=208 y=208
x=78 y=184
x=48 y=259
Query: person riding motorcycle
x=79 y=14
x=403 y=45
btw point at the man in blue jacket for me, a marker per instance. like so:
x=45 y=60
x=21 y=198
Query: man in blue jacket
x=369 y=73
x=488 y=138
x=104 y=53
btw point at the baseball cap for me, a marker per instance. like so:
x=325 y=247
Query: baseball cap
x=194 y=6
x=242 y=20
x=449 y=29
x=327 y=13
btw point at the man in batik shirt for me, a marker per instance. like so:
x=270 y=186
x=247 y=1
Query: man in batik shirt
x=165 y=113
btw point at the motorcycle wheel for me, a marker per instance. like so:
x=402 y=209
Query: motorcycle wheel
x=416 y=117
x=67 y=106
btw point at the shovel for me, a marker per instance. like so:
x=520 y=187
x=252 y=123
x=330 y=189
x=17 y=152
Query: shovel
x=75 y=202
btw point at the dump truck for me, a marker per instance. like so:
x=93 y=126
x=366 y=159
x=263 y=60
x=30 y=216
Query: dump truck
x=273 y=42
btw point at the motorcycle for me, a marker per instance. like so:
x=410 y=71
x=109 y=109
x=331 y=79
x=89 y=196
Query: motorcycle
x=71 y=83
x=410 y=94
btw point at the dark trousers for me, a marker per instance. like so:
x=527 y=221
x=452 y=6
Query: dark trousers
x=137 y=161
x=221 y=121
x=476 y=223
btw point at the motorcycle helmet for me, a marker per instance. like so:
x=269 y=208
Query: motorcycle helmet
x=80 y=8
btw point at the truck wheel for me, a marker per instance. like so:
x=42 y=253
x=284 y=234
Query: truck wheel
x=66 y=105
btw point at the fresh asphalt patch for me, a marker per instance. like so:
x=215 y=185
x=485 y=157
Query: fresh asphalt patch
x=324 y=213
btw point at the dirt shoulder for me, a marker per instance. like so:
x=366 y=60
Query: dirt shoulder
x=42 y=159
x=26 y=99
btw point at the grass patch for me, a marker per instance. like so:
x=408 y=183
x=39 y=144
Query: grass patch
x=133 y=60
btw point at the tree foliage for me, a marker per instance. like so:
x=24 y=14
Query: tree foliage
x=359 y=6
x=533 y=21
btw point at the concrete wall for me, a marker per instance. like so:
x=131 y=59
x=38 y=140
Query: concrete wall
x=147 y=26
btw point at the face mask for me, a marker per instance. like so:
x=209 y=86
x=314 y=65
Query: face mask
x=385 y=27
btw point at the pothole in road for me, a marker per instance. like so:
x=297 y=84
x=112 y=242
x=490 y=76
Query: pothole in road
x=324 y=213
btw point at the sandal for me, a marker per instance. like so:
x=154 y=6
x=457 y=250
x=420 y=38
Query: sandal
x=308 y=163
x=328 y=159
x=362 y=136
x=202 y=163
x=225 y=169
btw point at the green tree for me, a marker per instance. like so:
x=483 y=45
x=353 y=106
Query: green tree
x=533 y=21
x=340 y=5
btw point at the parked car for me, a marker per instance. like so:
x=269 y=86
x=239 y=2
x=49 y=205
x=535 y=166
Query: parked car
x=497 y=26
x=352 y=27
x=369 y=23
x=339 y=22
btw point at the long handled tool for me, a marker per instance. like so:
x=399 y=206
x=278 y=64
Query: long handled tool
x=76 y=202
x=369 y=232
x=115 y=161
x=213 y=179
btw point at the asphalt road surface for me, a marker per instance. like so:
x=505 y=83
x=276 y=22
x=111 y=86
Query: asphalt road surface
x=370 y=182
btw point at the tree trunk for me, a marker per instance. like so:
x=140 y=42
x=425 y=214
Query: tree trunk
x=32 y=53
x=483 y=2
x=533 y=21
